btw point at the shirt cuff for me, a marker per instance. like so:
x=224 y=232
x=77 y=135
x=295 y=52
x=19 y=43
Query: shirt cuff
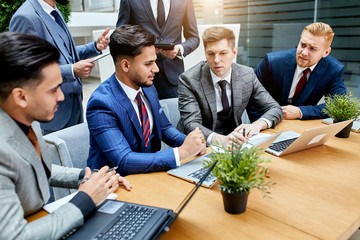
x=177 y=157
x=269 y=123
x=208 y=140
x=181 y=56
x=301 y=115
x=72 y=71
x=84 y=202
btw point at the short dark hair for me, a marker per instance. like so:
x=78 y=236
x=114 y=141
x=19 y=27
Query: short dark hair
x=128 y=40
x=22 y=58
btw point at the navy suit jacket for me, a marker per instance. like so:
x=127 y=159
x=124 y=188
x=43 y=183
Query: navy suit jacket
x=276 y=72
x=181 y=15
x=30 y=18
x=116 y=136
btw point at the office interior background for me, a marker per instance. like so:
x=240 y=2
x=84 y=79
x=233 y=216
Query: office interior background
x=270 y=25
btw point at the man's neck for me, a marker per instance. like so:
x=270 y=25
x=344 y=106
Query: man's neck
x=50 y=2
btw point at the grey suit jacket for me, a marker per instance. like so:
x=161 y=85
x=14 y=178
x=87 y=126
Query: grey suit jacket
x=181 y=15
x=197 y=102
x=30 y=18
x=24 y=186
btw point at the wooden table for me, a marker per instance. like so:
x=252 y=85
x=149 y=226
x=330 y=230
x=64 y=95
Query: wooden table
x=317 y=195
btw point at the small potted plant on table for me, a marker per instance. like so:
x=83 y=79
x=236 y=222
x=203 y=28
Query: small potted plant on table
x=342 y=107
x=238 y=170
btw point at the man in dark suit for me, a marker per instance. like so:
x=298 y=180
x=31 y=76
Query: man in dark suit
x=42 y=19
x=165 y=20
x=125 y=119
x=29 y=92
x=214 y=94
x=298 y=78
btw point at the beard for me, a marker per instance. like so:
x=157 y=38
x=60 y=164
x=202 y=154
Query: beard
x=62 y=2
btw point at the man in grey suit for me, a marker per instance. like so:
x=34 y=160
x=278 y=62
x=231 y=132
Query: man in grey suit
x=166 y=20
x=30 y=92
x=214 y=94
x=41 y=18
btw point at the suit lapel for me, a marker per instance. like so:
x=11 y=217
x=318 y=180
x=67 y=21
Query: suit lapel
x=236 y=92
x=149 y=12
x=124 y=101
x=209 y=91
x=288 y=75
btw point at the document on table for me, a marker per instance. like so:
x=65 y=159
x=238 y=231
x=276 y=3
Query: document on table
x=58 y=203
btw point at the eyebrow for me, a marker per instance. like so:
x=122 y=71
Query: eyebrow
x=309 y=44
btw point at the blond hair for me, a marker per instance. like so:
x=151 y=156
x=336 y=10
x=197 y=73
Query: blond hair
x=320 y=29
x=214 y=34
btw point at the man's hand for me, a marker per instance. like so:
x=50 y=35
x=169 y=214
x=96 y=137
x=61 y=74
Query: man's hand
x=100 y=184
x=291 y=112
x=83 y=68
x=194 y=143
x=227 y=141
x=103 y=41
x=170 y=53
x=248 y=130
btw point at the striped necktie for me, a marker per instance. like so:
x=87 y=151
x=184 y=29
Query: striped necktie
x=144 y=118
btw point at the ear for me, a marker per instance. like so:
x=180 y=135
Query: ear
x=235 y=52
x=326 y=52
x=125 y=65
x=20 y=97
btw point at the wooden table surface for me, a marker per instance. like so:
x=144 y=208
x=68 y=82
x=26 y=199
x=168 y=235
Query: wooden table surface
x=317 y=195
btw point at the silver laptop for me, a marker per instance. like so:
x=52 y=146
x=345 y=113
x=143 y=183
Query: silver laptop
x=289 y=142
x=194 y=170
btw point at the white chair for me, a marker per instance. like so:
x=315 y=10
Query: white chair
x=106 y=64
x=199 y=54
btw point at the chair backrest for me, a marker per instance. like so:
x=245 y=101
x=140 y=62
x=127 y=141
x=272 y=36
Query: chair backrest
x=106 y=64
x=69 y=147
x=171 y=110
x=199 y=54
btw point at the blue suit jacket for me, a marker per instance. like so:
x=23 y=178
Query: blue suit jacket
x=32 y=19
x=276 y=72
x=115 y=133
x=181 y=15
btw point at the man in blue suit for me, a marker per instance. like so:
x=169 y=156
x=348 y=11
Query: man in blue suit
x=125 y=119
x=298 y=78
x=42 y=19
x=166 y=20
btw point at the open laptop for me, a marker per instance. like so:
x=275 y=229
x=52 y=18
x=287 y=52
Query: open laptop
x=194 y=170
x=289 y=142
x=124 y=220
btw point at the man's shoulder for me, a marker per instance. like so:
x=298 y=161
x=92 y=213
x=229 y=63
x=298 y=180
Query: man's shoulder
x=195 y=71
x=238 y=68
x=281 y=55
x=332 y=62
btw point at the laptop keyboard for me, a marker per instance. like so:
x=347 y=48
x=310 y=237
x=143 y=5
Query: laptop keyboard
x=282 y=145
x=130 y=222
x=198 y=174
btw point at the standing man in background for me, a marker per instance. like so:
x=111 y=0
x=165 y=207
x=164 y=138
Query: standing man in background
x=41 y=18
x=165 y=20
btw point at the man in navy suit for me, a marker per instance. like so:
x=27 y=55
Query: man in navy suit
x=125 y=119
x=298 y=78
x=166 y=20
x=42 y=19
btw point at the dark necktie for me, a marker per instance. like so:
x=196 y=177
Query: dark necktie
x=161 y=13
x=301 y=84
x=224 y=98
x=57 y=17
x=33 y=139
x=144 y=118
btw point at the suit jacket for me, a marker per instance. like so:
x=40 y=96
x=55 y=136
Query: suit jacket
x=181 y=14
x=276 y=72
x=32 y=19
x=116 y=136
x=24 y=186
x=197 y=100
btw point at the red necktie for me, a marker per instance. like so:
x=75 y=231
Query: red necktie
x=32 y=137
x=301 y=84
x=144 y=118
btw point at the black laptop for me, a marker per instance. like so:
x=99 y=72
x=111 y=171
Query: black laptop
x=124 y=220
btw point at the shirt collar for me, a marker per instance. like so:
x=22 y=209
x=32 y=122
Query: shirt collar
x=215 y=78
x=130 y=92
x=46 y=7
x=300 y=69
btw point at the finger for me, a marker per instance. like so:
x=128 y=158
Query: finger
x=87 y=172
x=105 y=32
x=124 y=182
x=238 y=136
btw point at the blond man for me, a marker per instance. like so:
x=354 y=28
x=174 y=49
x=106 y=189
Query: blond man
x=298 y=78
x=214 y=94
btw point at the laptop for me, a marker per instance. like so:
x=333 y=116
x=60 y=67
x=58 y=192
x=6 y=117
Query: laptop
x=194 y=170
x=124 y=220
x=289 y=142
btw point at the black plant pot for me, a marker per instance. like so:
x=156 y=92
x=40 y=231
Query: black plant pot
x=345 y=133
x=235 y=203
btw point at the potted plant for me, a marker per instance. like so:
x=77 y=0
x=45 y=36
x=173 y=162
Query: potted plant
x=341 y=107
x=238 y=171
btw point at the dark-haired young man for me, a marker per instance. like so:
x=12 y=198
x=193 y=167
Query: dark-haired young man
x=29 y=92
x=126 y=121
x=41 y=18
